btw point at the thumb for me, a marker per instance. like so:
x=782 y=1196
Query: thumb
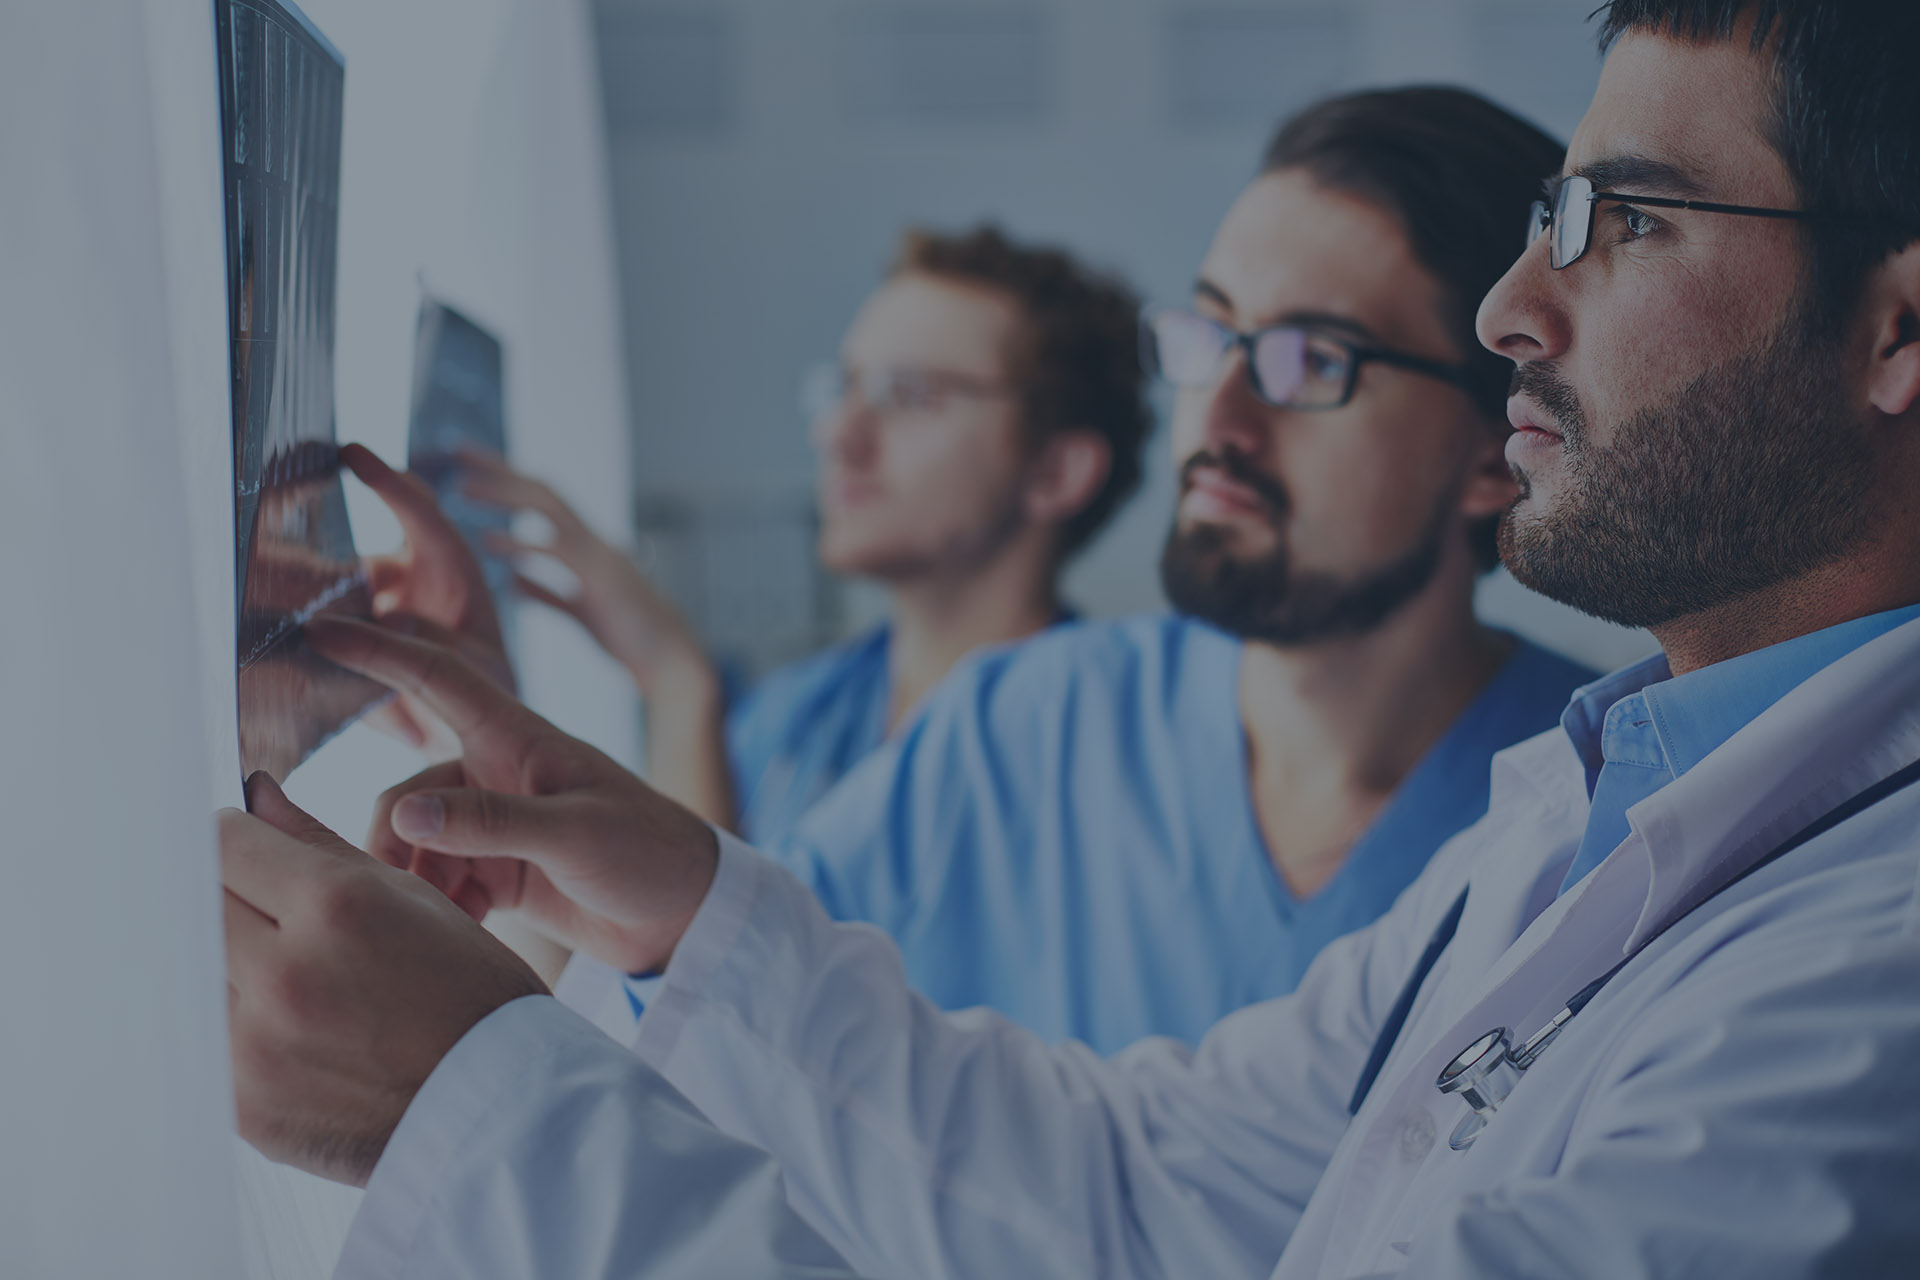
x=266 y=801
x=473 y=823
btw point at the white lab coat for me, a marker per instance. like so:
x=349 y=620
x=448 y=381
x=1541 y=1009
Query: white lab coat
x=1743 y=1100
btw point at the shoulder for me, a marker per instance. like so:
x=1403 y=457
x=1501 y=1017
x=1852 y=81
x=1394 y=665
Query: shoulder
x=793 y=688
x=1162 y=649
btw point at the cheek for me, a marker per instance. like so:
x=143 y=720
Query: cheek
x=1645 y=330
x=1364 y=489
x=943 y=477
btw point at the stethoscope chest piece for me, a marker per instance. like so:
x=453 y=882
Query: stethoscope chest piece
x=1483 y=1075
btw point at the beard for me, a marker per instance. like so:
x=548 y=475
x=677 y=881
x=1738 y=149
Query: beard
x=1750 y=476
x=1266 y=597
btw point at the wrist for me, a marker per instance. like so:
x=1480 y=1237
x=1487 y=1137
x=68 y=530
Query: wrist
x=680 y=685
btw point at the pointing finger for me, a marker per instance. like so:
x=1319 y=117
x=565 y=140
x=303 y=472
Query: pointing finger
x=488 y=721
x=475 y=823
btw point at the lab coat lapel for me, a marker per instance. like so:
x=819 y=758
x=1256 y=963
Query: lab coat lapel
x=1842 y=730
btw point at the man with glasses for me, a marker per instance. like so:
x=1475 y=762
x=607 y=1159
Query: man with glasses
x=983 y=423
x=1134 y=828
x=1655 y=1016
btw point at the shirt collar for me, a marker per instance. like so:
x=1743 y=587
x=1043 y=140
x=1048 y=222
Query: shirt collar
x=1693 y=714
x=1585 y=718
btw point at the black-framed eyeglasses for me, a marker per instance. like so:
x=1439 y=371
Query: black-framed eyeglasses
x=1291 y=366
x=1567 y=214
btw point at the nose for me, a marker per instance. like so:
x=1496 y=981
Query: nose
x=1524 y=318
x=847 y=432
x=1231 y=416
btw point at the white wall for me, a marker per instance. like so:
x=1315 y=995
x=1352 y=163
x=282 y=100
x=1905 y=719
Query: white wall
x=114 y=1096
x=765 y=155
x=472 y=156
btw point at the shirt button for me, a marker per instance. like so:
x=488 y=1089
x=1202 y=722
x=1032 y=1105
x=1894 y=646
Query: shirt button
x=1416 y=1136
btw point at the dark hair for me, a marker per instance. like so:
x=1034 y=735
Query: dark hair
x=1846 y=117
x=1081 y=357
x=1460 y=174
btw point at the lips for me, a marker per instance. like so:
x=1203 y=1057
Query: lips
x=1531 y=423
x=1213 y=495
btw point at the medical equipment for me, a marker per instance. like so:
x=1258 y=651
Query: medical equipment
x=1486 y=1071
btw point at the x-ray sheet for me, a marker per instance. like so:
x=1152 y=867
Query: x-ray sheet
x=280 y=99
x=459 y=402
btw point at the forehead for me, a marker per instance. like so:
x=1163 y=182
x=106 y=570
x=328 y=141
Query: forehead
x=921 y=320
x=1704 y=108
x=1290 y=245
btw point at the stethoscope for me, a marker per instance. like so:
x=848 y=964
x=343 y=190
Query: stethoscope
x=1486 y=1071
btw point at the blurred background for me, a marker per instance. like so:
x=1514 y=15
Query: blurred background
x=765 y=154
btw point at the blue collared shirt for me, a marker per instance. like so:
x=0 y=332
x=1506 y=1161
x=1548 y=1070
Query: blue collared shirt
x=1639 y=729
x=1067 y=834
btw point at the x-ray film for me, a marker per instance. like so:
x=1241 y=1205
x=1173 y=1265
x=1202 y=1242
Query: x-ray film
x=459 y=401
x=280 y=114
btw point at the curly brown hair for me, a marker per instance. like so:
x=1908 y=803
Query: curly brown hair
x=1081 y=358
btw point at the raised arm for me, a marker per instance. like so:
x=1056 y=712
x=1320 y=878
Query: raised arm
x=628 y=616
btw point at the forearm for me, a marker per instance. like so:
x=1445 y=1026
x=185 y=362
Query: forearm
x=686 y=747
x=539 y=1148
x=924 y=1144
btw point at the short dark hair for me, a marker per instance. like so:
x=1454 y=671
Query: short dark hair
x=1081 y=359
x=1846 y=117
x=1460 y=174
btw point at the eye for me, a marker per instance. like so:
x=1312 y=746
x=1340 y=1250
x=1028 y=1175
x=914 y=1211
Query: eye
x=915 y=392
x=1324 y=362
x=1634 y=224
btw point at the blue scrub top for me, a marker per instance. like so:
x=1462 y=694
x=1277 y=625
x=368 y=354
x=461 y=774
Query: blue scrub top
x=800 y=730
x=1066 y=833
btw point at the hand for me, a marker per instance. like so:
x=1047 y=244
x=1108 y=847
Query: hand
x=615 y=602
x=347 y=983
x=435 y=578
x=528 y=818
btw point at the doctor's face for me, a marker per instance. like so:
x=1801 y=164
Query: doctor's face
x=923 y=458
x=1684 y=430
x=1301 y=524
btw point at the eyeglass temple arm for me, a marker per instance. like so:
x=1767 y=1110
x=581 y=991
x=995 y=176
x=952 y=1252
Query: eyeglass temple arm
x=1451 y=372
x=1704 y=206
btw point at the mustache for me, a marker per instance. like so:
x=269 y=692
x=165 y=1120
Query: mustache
x=1543 y=385
x=1238 y=467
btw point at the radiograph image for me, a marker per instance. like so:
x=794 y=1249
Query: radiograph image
x=280 y=96
x=459 y=401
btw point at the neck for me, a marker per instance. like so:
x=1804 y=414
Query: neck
x=1333 y=728
x=1868 y=581
x=938 y=620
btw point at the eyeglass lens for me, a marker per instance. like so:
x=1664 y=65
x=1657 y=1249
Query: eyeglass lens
x=1288 y=367
x=1568 y=223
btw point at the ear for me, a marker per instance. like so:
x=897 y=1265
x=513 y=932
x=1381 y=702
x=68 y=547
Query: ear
x=1893 y=294
x=1066 y=474
x=1490 y=487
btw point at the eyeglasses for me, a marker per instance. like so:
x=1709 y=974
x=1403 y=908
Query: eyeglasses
x=1567 y=214
x=826 y=388
x=1291 y=366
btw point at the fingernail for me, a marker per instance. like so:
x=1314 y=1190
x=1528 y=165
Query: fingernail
x=419 y=817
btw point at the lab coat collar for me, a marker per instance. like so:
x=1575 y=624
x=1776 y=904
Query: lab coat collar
x=1837 y=733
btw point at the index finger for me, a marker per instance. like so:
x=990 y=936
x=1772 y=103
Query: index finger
x=483 y=716
x=407 y=496
x=489 y=479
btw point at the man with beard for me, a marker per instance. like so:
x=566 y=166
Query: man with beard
x=1654 y=1016
x=1134 y=828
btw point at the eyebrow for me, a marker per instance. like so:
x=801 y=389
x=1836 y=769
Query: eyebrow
x=1642 y=173
x=1204 y=288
